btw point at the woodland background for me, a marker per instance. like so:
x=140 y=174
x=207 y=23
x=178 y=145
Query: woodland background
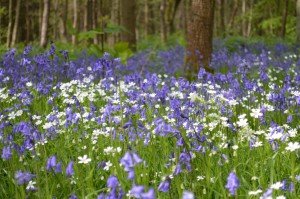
x=101 y=24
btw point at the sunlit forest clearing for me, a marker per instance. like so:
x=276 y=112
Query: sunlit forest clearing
x=149 y=99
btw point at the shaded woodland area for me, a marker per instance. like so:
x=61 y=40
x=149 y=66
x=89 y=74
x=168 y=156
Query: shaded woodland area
x=112 y=21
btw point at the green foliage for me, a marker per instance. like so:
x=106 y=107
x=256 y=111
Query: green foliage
x=154 y=41
x=122 y=51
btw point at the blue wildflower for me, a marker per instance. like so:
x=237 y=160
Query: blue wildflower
x=232 y=183
x=70 y=170
x=165 y=185
x=23 y=177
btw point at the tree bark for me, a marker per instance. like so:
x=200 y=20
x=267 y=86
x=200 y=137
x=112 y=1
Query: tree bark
x=250 y=18
x=8 y=35
x=16 y=24
x=27 y=21
x=94 y=19
x=75 y=21
x=222 y=19
x=128 y=20
x=172 y=17
x=45 y=22
x=115 y=19
x=233 y=15
x=63 y=21
x=298 y=22
x=284 y=17
x=244 y=18
x=200 y=36
x=146 y=17
x=163 y=27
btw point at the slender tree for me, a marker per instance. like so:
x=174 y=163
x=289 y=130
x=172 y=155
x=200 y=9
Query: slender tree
x=244 y=18
x=298 y=22
x=128 y=20
x=222 y=18
x=16 y=24
x=284 y=17
x=8 y=34
x=75 y=21
x=45 y=22
x=163 y=26
x=200 y=36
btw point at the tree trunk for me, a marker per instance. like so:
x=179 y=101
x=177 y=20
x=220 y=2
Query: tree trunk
x=233 y=15
x=63 y=21
x=45 y=21
x=75 y=21
x=163 y=27
x=8 y=35
x=115 y=19
x=172 y=17
x=128 y=21
x=284 y=17
x=54 y=16
x=244 y=18
x=146 y=15
x=298 y=22
x=200 y=36
x=85 y=17
x=250 y=18
x=16 y=24
x=94 y=19
x=222 y=19
x=27 y=21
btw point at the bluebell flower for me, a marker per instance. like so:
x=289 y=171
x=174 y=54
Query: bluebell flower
x=130 y=159
x=58 y=168
x=70 y=170
x=6 y=153
x=232 y=183
x=292 y=188
x=137 y=190
x=188 y=195
x=112 y=182
x=164 y=185
x=268 y=193
x=149 y=195
x=73 y=196
x=51 y=163
x=101 y=196
x=23 y=177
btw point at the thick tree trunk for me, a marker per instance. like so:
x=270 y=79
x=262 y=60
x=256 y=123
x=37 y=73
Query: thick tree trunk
x=163 y=27
x=75 y=21
x=298 y=22
x=8 y=34
x=200 y=36
x=284 y=17
x=45 y=21
x=128 y=20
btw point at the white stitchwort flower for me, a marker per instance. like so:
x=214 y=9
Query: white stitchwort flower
x=256 y=113
x=255 y=192
x=277 y=185
x=84 y=159
x=293 y=146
